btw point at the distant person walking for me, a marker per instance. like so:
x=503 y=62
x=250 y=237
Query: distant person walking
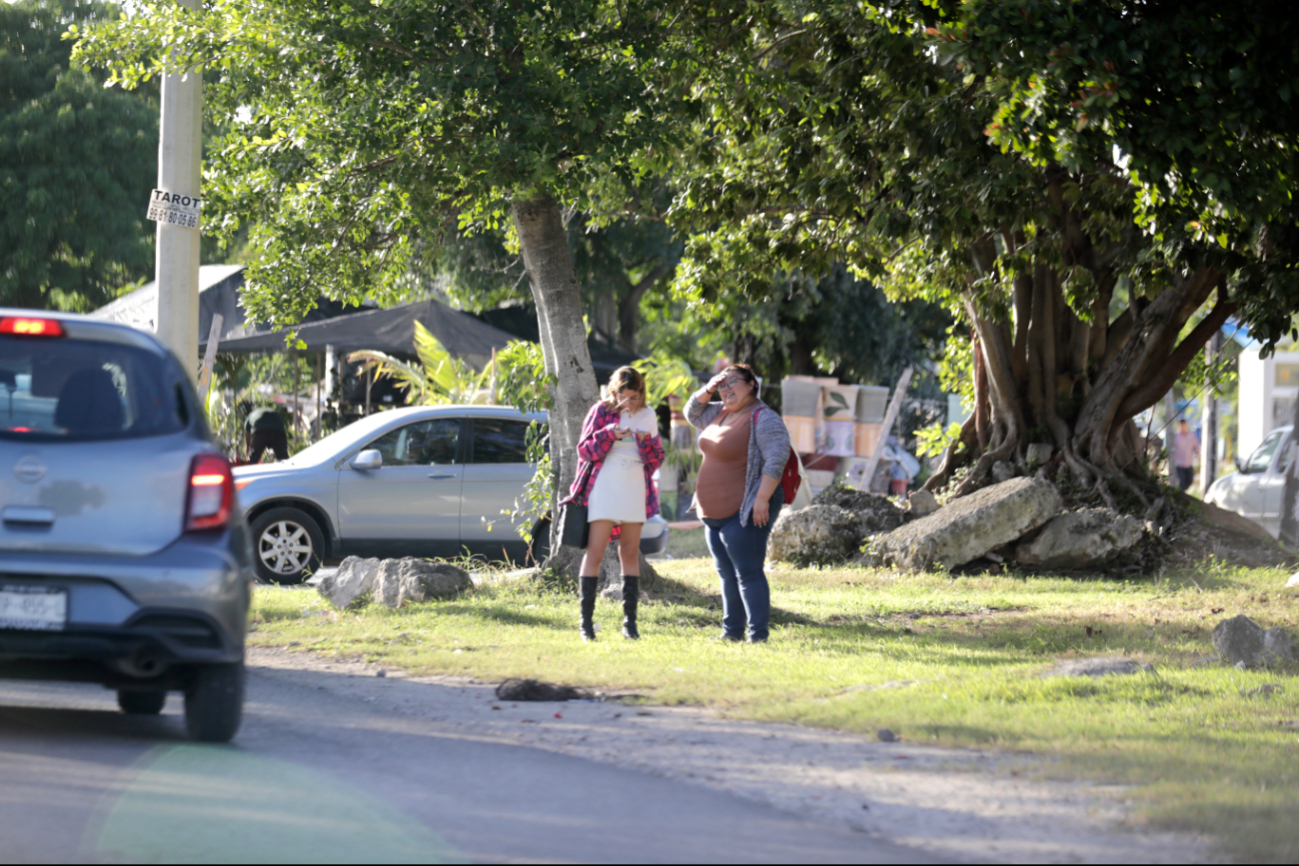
x=738 y=493
x=619 y=450
x=264 y=429
x=1186 y=453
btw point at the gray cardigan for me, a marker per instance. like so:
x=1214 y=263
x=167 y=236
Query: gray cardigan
x=768 y=444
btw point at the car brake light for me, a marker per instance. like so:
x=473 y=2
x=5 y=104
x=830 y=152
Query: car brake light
x=24 y=327
x=211 y=494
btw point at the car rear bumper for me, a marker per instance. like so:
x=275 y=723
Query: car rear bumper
x=154 y=649
x=132 y=619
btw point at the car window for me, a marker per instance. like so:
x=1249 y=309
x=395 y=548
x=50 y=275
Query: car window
x=1262 y=456
x=500 y=441
x=424 y=443
x=1287 y=457
x=61 y=389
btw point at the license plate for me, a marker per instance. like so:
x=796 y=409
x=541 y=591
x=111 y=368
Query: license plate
x=34 y=608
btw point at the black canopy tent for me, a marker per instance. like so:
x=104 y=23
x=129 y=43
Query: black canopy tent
x=219 y=292
x=391 y=331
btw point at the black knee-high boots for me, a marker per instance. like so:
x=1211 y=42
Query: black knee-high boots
x=630 y=598
x=589 y=586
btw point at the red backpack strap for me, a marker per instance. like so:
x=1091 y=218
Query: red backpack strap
x=790 y=479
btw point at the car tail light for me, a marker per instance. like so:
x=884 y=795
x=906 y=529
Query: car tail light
x=25 y=327
x=211 y=494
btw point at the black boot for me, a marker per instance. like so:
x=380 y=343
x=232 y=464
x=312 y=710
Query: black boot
x=630 y=598
x=589 y=585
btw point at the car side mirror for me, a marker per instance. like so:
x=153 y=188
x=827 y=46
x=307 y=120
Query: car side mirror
x=367 y=459
x=1240 y=467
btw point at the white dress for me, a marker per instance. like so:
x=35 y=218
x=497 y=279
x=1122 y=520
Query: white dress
x=619 y=491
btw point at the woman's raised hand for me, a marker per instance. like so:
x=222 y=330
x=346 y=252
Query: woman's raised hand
x=714 y=382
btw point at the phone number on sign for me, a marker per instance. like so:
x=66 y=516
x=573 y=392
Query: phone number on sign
x=171 y=217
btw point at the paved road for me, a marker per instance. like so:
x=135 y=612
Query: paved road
x=316 y=776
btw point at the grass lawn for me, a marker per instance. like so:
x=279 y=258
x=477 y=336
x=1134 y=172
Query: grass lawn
x=948 y=661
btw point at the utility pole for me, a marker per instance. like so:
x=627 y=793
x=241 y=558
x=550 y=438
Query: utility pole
x=180 y=154
x=1209 y=420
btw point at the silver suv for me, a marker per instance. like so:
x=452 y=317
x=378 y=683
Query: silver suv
x=422 y=481
x=124 y=558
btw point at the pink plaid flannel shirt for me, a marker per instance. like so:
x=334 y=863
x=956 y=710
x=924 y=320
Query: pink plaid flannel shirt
x=597 y=438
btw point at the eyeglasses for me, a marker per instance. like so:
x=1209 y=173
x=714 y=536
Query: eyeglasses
x=731 y=384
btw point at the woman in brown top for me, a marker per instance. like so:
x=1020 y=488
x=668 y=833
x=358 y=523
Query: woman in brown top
x=738 y=494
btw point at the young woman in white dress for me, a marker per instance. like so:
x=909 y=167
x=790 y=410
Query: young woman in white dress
x=621 y=495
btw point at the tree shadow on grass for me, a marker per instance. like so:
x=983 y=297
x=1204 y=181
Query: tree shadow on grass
x=956 y=733
x=498 y=613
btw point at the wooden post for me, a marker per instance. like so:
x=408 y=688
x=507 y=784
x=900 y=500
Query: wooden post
x=320 y=419
x=1209 y=420
x=890 y=418
x=209 y=357
x=297 y=398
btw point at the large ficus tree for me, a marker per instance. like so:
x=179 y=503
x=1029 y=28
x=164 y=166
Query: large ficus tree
x=1093 y=187
x=351 y=126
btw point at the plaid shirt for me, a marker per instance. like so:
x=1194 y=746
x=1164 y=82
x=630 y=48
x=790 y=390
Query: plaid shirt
x=597 y=438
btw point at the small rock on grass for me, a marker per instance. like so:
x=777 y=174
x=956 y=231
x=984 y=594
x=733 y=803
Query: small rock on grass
x=398 y=582
x=1246 y=644
x=884 y=735
x=349 y=586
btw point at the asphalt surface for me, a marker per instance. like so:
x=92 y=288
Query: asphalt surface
x=315 y=776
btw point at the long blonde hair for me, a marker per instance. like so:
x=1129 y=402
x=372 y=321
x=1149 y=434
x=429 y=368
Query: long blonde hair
x=625 y=379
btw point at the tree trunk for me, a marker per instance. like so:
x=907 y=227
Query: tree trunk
x=558 y=297
x=604 y=317
x=549 y=263
x=629 y=305
x=1045 y=375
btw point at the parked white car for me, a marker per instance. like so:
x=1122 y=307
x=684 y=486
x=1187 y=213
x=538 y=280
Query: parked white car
x=1256 y=490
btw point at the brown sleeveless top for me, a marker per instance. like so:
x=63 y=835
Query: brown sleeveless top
x=722 y=476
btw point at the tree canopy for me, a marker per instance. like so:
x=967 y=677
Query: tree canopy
x=356 y=130
x=1091 y=187
x=989 y=156
x=354 y=126
x=76 y=166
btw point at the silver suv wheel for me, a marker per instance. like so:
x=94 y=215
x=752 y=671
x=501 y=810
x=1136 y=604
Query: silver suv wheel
x=289 y=544
x=285 y=547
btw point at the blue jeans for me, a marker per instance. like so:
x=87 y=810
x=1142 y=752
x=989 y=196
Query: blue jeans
x=739 y=552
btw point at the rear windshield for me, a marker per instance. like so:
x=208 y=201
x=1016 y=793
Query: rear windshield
x=80 y=390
